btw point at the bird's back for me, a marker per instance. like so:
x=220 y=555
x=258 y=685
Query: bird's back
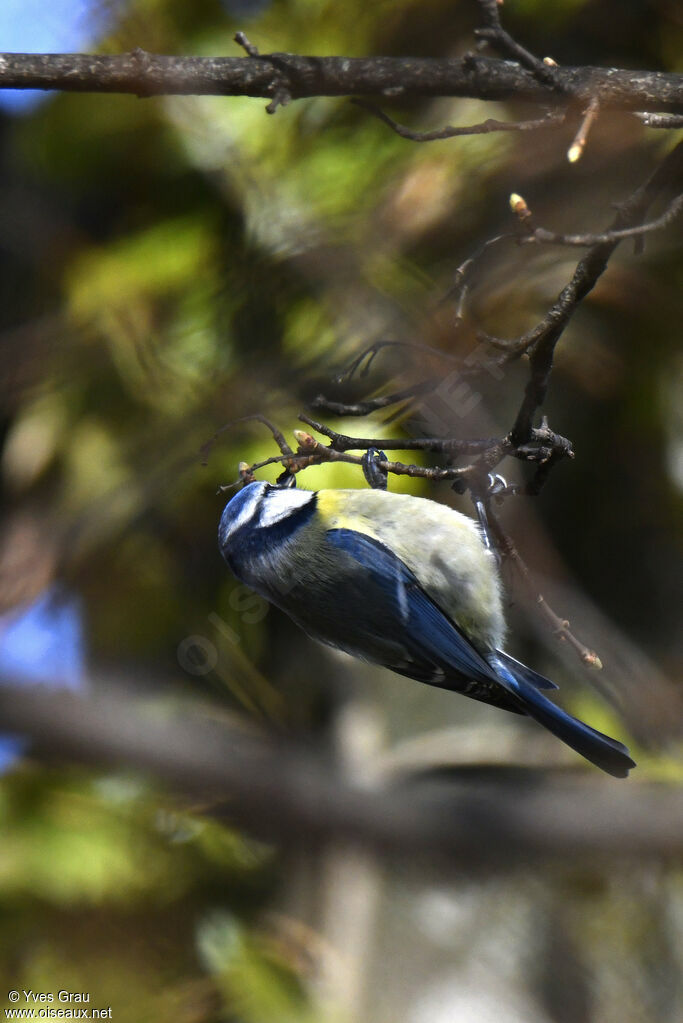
x=440 y=546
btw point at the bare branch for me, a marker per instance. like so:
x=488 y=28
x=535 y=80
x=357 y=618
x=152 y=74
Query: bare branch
x=549 y=120
x=673 y=210
x=371 y=351
x=559 y=626
x=341 y=442
x=279 y=789
x=546 y=447
x=312 y=452
x=278 y=436
x=147 y=74
x=241 y=40
x=670 y=121
x=494 y=33
x=464 y=273
x=578 y=145
x=364 y=408
x=541 y=341
x=522 y=442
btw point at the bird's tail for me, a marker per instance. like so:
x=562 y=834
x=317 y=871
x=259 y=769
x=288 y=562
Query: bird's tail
x=607 y=753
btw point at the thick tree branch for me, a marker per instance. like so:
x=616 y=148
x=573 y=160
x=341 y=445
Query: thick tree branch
x=147 y=74
x=280 y=789
x=668 y=121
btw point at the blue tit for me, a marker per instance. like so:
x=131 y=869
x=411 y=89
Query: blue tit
x=399 y=581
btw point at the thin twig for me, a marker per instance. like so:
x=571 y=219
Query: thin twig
x=539 y=234
x=312 y=452
x=377 y=346
x=577 y=147
x=559 y=626
x=342 y=442
x=241 y=40
x=463 y=274
x=549 y=120
x=278 y=436
x=494 y=33
x=364 y=408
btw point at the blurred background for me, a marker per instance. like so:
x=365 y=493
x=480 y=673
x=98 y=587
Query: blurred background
x=168 y=265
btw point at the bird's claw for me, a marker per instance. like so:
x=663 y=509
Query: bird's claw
x=497 y=483
x=375 y=476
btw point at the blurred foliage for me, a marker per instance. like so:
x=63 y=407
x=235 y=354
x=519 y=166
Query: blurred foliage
x=171 y=264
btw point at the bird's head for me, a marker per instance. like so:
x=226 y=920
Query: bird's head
x=261 y=508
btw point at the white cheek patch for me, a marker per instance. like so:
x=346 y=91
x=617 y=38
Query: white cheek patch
x=279 y=504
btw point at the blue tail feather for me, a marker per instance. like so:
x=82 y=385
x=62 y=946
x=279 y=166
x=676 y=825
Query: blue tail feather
x=603 y=751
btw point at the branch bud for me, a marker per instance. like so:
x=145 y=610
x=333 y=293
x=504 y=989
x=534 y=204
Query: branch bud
x=590 y=658
x=519 y=207
x=305 y=441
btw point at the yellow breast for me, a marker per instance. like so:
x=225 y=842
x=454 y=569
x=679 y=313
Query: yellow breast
x=338 y=512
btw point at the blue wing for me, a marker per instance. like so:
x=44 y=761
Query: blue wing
x=520 y=671
x=437 y=652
